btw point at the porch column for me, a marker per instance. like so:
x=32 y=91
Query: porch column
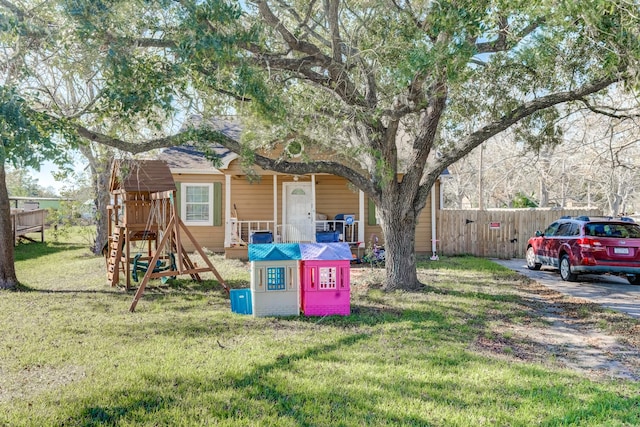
x=313 y=200
x=434 y=239
x=361 y=218
x=227 y=211
x=276 y=235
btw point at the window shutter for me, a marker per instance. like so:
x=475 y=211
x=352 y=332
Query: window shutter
x=177 y=200
x=217 y=203
x=372 y=213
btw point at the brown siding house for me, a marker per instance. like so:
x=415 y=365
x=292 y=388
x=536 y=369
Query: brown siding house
x=226 y=209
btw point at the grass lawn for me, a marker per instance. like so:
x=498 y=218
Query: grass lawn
x=71 y=354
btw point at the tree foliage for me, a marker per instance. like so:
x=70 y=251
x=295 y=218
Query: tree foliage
x=375 y=86
x=26 y=133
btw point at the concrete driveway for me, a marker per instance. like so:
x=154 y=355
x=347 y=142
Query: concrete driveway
x=609 y=291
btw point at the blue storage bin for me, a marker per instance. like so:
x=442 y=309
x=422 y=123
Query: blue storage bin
x=241 y=301
x=262 y=237
x=327 y=236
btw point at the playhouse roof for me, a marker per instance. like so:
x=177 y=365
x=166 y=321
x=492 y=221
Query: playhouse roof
x=338 y=251
x=136 y=176
x=274 y=252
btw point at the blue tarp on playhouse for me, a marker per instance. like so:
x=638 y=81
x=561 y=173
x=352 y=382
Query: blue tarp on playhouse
x=274 y=252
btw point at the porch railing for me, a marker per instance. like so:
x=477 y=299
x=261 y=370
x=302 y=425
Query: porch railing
x=241 y=231
x=347 y=230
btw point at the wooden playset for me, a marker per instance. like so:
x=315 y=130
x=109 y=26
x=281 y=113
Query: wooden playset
x=145 y=230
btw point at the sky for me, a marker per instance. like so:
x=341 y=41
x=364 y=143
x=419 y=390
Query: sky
x=46 y=179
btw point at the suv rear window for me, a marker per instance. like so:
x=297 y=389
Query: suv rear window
x=612 y=230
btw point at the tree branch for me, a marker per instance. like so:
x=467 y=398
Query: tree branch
x=608 y=111
x=215 y=136
x=134 y=147
x=408 y=9
x=140 y=41
x=19 y=13
x=476 y=138
x=303 y=23
x=294 y=43
x=334 y=26
x=338 y=79
x=502 y=43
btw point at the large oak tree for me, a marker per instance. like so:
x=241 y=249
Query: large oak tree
x=380 y=84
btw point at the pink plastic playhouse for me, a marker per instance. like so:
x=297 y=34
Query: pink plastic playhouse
x=325 y=279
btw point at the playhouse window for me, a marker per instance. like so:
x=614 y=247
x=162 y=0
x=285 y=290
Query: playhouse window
x=197 y=204
x=327 y=277
x=276 y=279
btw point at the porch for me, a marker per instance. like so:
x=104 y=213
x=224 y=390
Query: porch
x=340 y=230
x=344 y=228
x=291 y=209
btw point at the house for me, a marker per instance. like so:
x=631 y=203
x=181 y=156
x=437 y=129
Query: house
x=227 y=207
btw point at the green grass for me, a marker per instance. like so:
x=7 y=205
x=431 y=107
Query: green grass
x=71 y=354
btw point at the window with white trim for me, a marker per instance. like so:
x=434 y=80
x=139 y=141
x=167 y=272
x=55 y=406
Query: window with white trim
x=197 y=204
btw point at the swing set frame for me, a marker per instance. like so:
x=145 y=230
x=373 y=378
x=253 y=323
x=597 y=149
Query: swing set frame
x=144 y=210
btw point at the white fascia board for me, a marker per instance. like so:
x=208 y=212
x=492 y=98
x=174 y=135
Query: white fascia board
x=196 y=172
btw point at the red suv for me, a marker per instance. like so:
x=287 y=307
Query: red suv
x=595 y=245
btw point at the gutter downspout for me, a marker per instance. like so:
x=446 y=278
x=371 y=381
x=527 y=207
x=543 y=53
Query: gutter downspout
x=434 y=255
x=361 y=218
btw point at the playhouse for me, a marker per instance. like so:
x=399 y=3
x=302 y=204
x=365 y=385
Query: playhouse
x=325 y=279
x=275 y=283
x=145 y=231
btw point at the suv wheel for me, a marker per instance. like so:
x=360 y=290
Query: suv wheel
x=634 y=279
x=565 y=269
x=531 y=259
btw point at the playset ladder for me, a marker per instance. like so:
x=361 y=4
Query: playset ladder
x=115 y=256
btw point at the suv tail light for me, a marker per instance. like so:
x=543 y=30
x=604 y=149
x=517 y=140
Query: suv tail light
x=589 y=243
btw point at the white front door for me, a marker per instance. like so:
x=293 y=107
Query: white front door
x=298 y=212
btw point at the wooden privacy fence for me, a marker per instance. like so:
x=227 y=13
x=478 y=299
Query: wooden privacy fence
x=496 y=233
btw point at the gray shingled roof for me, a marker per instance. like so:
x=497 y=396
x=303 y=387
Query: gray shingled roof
x=189 y=157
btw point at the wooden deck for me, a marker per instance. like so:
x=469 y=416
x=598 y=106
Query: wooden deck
x=26 y=222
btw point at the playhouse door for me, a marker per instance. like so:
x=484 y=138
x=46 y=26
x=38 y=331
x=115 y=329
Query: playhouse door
x=298 y=222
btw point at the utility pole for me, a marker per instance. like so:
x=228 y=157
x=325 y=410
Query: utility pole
x=480 y=181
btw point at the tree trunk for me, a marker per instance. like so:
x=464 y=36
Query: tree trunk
x=100 y=159
x=8 y=279
x=615 y=200
x=543 y=201
x=399 y=228
x=102 y=200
